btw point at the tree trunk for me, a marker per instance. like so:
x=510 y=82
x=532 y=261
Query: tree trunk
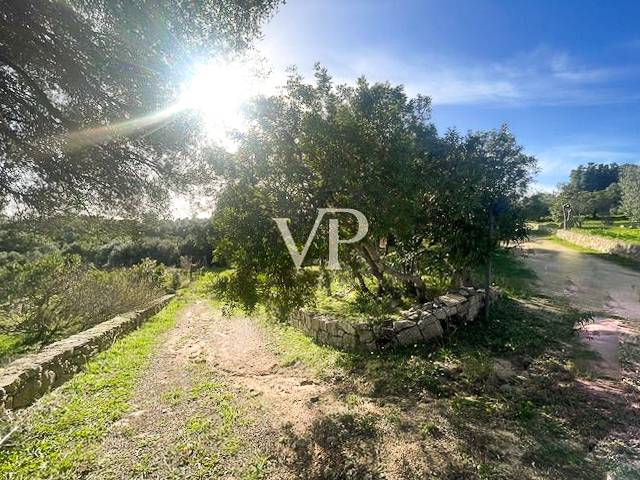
x=378 y=265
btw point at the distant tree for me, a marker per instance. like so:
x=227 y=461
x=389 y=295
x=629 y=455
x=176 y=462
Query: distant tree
x=599 y=203
x=536 y=206
x=630 y=186
x=593 y=177
x=84 y=88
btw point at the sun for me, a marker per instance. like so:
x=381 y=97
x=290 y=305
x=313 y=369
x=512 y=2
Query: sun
x=217 y=91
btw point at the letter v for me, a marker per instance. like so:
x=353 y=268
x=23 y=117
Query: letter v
x=296 y=256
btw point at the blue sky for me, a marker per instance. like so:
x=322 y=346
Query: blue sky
x=565 y=75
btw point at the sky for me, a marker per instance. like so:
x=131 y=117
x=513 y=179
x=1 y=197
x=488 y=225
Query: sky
x=564 y=74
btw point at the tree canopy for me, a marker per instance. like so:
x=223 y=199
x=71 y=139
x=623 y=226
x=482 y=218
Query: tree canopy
x=86 y=89
x=630 y=187
x=594 y=177
x=428 y=199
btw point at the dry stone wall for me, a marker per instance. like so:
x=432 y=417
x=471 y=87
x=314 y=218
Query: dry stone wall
x=418 y=324
x=605 y=245
x=30 y=377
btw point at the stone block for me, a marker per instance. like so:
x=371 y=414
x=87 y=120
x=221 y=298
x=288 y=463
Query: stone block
x=451 y=299
x=450 y=311
x=365 y=335
x=430 y=327
x=410 y=336
x=403 y=325
x=332 y=328
x=348 y=328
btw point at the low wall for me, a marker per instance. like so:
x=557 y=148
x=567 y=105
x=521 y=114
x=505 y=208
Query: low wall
x=418 y=324
x=605 y=245
x=537 y=227
x=28 y=378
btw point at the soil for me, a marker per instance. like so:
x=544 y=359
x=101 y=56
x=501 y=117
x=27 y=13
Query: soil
x=207 y=345
x=606 y=289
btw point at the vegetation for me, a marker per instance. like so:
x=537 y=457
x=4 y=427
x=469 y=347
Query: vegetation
x=106 y=242
x=630 y=186
x=429 y=200
x=57 y=296
x=456 y=404
x=64 y=274
x=91 y=121
x=594 y=192
x=66 y=427
x=68 y=69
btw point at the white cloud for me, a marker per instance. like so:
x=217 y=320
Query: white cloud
x=564 y=158
x=557 y=162
x=539 y=77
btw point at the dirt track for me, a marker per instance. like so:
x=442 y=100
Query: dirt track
x=589 y=283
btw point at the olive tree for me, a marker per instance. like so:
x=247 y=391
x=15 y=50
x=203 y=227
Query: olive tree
x=630 y=187
x=86 y=90
x=370 y=148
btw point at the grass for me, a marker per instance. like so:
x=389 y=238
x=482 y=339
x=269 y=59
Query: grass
x=348 y=303
x=295 y=348
x=610 y=257
x=616 y=228
x=629 y=235
x=573 y=246
x=511 y=274
x=64 y=428
x=446 y=399
x=12 y=347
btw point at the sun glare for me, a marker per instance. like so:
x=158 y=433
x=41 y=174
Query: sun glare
x=217 y=92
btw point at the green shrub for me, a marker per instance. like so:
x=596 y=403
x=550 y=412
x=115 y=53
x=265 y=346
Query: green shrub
x=58 y=294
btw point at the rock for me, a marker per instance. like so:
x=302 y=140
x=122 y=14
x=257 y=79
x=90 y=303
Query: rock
x=403 y=325
x=410 y=336
x=430 y=327
x=504 y=369
x=348 y=328
x=450 y=311
x=452 y=299
x=332 y=328
x=440 y=314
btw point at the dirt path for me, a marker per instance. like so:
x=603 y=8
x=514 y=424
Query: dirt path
x=211 y=371
x=611 y=291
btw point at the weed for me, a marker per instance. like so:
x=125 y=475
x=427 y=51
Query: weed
x=258 y=468
x=428 y=429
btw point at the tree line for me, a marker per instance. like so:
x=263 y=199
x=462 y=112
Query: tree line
x=86 y=134
x=594 y=191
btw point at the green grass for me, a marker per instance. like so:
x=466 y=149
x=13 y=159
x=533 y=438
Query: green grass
x=622 y=261
x=511 y=274
x=611 y=228
x=573 y=246
x=629 y=235
x=64 y=428
x=454 y=379
x=294 y=347
x=12 y=347
x=347 y=302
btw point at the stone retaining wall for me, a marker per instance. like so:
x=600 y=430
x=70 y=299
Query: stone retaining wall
x=605 y=245
x=28 y=378
x=420 y=323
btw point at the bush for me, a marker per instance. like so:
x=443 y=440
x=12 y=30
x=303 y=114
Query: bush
x=130 y=253
x=58 y=294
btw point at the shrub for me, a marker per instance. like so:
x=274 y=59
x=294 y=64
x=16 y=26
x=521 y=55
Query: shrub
x=57 y=294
